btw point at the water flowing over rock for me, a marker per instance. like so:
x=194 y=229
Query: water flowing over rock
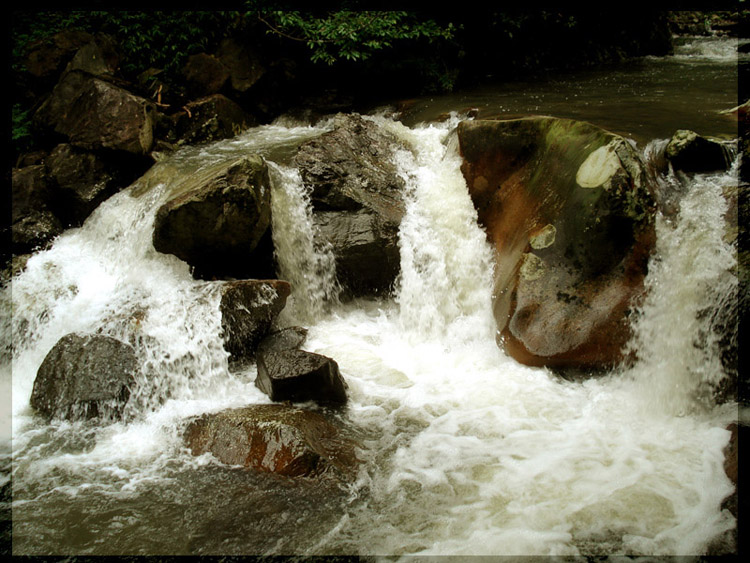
x=298 y=376
x=249 y=309
x=85 y=376
x=357 y=195
x=95 y=114
x=274 y=438
x=567 y=208
x=219 y=227
x=690 y=152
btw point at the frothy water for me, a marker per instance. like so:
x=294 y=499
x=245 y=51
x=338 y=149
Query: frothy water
x=464 y=450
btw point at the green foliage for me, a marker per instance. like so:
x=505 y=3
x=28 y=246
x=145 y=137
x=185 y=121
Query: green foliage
x=349 y=35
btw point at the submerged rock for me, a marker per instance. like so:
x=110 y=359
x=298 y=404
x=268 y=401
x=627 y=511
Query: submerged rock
x=298 y=376
x=273 y=438
x=569 y=213
x=85 y=376
x=249 y=309
x=357 y=196
x=220 y=225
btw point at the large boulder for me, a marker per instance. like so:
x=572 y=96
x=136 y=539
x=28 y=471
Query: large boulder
x=569 y=213
x=357 y=196
x=249 y=309
x=242 y=63
x=46 y=58
x=85 y=376
x=299 y=376
x=221 y=226
x=277 y=439
x=92 y=113
x=205 y=74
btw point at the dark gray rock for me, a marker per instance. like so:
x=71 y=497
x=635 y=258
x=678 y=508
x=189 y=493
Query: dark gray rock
x=365 y=246
x=85 y=376
x=249 y=309
x=290 y=338
x=218 y=227
x=298 y=376
x=277 y=439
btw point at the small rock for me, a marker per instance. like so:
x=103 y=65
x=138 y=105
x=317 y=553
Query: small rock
x=297 y=375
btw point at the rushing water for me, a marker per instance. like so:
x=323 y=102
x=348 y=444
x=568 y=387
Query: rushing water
x=464 y=450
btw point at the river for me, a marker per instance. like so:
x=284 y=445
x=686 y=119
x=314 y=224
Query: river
x=464 y=451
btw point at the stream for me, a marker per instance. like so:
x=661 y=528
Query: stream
x=464 y=450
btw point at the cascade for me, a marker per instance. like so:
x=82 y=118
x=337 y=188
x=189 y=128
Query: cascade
x=464 y=450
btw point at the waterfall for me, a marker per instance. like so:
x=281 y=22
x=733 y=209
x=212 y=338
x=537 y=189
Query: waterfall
x=464 y=451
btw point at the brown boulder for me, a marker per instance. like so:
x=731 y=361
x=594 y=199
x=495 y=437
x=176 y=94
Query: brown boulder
x=690 y=152
x=205 y=74
x=242 y=64
x=95 y=114
x=33 y=223
x=209 y=119
x=249 y=309
x=567 y=209
x=46 y=58
x=277 y=439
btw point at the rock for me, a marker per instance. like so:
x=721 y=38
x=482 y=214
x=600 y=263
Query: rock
x=211 y=119
x=299 y=376
x=365 y=246
x=290 y=338
x=277 y=439
x=249 y=309
x=85 y=376
x=92 y=113
x=205 y=74
x=357 y=196
x=568 y=212
x=690 y=152
x=33 y=223
x=218 y=226
x=98 y=57
x=351 y=168
x=83 y=181
x=242 y=64
x=47 y=57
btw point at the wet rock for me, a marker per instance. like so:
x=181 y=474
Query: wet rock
x=33 y=223
x=365 y=246
x=299 y=376
x=92 y=113
x=569 y=213
x=351 y=168
x=209 y=119
x=249 y=309
x=290 y=338
x=278 y=439
x=690 y=152
x=83 y=180
x=358 y=200
x=219 y=226
x=85 y=376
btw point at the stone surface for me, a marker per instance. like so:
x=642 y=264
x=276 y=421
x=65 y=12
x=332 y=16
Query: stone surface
x=365 y=246
x=33 y=223
x=218 y=226
x=299 y=376
x=94 y=114
x=289 y=338
x=278 y=439
x=242 y=63
x=205 y=74
x=209 y=119
x=568 y=210
x=85 y=376
x=357 y=196
x=249 y=309
x=690 y=152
